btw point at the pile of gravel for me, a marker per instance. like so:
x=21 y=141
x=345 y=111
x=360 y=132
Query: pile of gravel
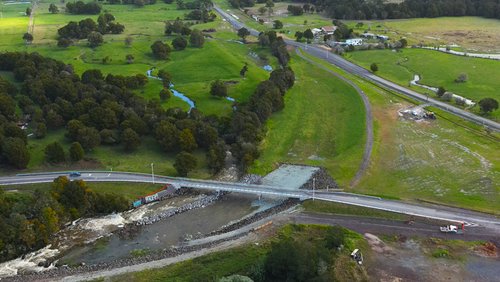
x=322 y=180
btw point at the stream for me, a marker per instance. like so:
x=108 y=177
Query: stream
x=149 y=73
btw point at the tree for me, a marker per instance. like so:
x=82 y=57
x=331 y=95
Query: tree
x=243 y=33
x=218 y=88
x=28 y=38
x=54 y=153
x=216 y=157
x=299 y=35
x=309 y=35
x=130 y=139
x=89 y=138
x=95 y=39
x=187 y=141
x=184 y=163
x=374 y=67
x=63 y=42
x=166 y=77
x=128 y=40
x=28 y=11
x=179 y=43
x=244 y=70
x=488 y=105
x=53 y=8
x=160 y=50
x=165 y=94
x=441 y=91
x=262 y=10
x=40 y=130
x=15 y=152
x=129 y=58
x=461 y=78
x=76 y=152
x=277 y=24
x=196 y=39
x=167 y=135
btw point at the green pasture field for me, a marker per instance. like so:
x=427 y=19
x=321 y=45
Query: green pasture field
x=470 y=33
x=439 y=161
x=435 y=69
x=323 y=123
x=130 y=191
x=113 y=158
x=193 y=69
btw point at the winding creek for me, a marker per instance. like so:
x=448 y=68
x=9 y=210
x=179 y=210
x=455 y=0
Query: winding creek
x=149 y=73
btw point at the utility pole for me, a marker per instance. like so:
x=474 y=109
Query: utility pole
x=314 y=185
x=153 y=172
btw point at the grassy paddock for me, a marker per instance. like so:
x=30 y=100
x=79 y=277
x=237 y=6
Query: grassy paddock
x=336 y=208
x=322 y=124
x=440 y=161
x=474 y=34
x=436 y=69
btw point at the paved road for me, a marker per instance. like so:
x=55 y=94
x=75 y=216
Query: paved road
x=436 y=212
x=357 y=70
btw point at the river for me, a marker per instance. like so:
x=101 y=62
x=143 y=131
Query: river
x=168 y=232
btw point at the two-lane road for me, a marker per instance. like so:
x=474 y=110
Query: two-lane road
x=361 y=72
x=435 y=212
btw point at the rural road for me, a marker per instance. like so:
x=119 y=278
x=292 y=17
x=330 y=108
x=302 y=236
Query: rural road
x=361 y=72
x=435 y=212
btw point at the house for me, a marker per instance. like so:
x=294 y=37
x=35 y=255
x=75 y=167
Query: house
x=329 y=30
x=316 y=31
x=354 y=41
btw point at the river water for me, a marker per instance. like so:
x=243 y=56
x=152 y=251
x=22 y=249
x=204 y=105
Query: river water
x=168 y=232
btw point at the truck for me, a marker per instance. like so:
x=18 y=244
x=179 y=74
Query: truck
x=449 y=229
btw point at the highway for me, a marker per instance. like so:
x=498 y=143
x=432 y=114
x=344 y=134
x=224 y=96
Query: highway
x=441 y=213
x=363 y=73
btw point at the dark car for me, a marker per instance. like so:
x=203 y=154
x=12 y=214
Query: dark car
x=75 y=174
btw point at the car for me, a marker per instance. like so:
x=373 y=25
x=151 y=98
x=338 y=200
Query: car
x=75 y=174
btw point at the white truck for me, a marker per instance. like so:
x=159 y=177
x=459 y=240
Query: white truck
x=449 y=229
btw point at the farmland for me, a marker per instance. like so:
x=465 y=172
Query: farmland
x=434 y=161
x=436 y=69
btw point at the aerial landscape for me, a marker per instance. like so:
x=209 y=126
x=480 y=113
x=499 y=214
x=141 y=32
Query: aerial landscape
x=249 y=140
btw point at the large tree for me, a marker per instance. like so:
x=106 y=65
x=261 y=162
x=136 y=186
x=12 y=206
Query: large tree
x=76 y=152
x=130 y=139
x=488 y=105
x=160 y=50
x=15 y=152
x=197 y=39
x=54 y=153
x=179 y=43
x=89 y=138
x=53 y=8
x=95 y=39
x=243 y=33
x=187 y=141
x=184 y=163
x=218 y=88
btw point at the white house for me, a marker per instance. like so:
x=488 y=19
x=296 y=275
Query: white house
x=354 y=41
x=316 y=31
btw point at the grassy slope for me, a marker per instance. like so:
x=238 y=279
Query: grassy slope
x=439 y=162
x=323 y=117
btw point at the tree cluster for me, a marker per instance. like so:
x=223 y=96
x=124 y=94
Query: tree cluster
x=29 y=220
x=87 y=27
x=379 y=9
x=295 y=10
x=80 y=7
